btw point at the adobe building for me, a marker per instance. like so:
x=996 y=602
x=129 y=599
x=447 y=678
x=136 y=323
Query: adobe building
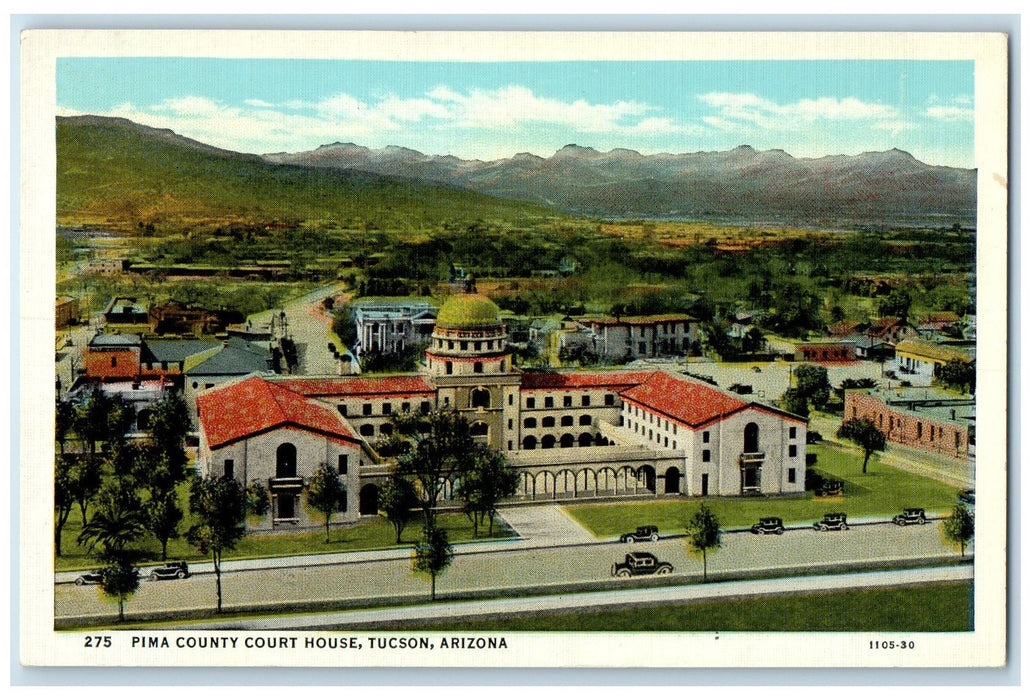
x=570 y=435
x=921 y=418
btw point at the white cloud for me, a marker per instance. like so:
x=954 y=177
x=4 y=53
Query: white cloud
x=744 y=109
x=951 y=113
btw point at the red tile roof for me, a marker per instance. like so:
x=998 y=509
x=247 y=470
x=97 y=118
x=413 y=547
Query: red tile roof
x=408 y=385
x=255 y=406
x=581 y=380
x=688 y=402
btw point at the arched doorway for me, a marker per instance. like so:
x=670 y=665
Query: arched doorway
x=368 y=500
x=286 y=461
x=547 y=442
x=479 y=398
x=585 y=440
x=647 y=473
x=672 y=480
x=751 y=438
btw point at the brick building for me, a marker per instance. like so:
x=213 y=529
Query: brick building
x=921 y=418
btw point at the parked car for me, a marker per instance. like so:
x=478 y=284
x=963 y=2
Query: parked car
x=641 y=564
x=768 y=525
x=645 y=532
x=831 y=488
x=831 y=521
x=910 y=516
x=176 y=569
x=92 y=578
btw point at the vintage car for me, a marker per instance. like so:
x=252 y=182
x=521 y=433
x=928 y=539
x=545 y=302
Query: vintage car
x=831 y=521
x=830 y=488
x=641 y=564
x=768 y=526
x=910 y=516
x=176 y=569
x=645 y=532
x=92 y=578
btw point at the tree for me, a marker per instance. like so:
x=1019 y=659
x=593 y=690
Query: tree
x=433 y=556
x=488 y=481
x=168 y=425
x=257 y=498
x=441 y=449
x=325 y=493
x=219 y=503
x=753 y=340
x=64 y=422
x=397 y=498
x=813 y=385
x=163 y=518
x=865 y=434
x=64 y=498
x=958 y=528
x=118 y=522
x=958 y=373
x=703 y=534
x=793 y=402
x=84 y=480
x=896 y=304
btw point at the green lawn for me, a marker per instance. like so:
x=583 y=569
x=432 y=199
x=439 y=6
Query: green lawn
x=375 y=533
x=882 y=491
x=944 y=607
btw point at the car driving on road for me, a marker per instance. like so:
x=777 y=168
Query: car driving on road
x=910 y=516
x=176 y=569
x=645 y=532
x=769 y=525
x=91 y=578
x=831 y=521
x=641 y=564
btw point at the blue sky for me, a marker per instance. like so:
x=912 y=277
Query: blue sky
x=494 y=110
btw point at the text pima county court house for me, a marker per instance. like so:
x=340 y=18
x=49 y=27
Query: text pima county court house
x=571 y=435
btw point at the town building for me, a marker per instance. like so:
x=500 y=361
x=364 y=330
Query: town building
x=391 y=326
x=921 y=357
x=182 y=319
x=637 y=337
x=66 y=312
x=826 y=351
x=126 y=315
x=921 y=418
x=570 y=435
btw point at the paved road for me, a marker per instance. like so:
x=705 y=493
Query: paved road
x=411 y=615
x=480 y=572
x=308 y=325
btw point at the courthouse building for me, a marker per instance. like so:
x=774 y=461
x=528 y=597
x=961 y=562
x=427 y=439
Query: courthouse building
x=570 y=435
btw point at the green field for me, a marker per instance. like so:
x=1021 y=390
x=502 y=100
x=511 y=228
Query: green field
x=375 y=533
x=882 y=491
x=945 y=607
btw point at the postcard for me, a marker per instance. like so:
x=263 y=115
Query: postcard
x=513 y=349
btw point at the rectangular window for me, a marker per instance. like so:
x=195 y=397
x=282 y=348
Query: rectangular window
x=531 y=403
x=227 y=469
x=567 y=401
x=509 y=423
x=406 y=407
x=792 y=432
x=386 y=409
x=705 y=436
x=610 y=400
x=585 y=400
x=791 y=475
x=511 y=399
x=425 y=407
x=367 y=409
x=549 y=402
x=706 y=456
x=342 y=464
x=792 y=450
x=343 y=409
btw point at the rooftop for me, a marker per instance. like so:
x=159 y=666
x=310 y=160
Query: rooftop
x=468 y=312
x=581 y=380
x=406 y=385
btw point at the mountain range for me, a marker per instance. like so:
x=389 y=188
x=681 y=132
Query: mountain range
x=116 y=168
x=741 y=182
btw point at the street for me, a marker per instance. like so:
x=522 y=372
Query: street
x=521 y=569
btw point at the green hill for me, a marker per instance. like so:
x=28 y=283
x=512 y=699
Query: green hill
x=125 y=176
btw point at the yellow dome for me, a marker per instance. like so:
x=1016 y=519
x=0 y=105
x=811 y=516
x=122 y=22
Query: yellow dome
x=468 y=312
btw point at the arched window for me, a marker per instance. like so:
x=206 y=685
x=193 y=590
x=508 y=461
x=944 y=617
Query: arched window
x=478 y=429
x=367 y=430
x=548 y=422
x=386 y=429
x=529 y=442
x=751 y=438
x=529 y=422
x=585 y=419
x=566 y=440
x=547 y=442
x=567 y=421
x=479 y=398
x=286 y=461
x=585 y=440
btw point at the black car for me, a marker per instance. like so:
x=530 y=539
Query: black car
x=641 y=564
x=831 y=521
x=910 y=516
x=645 y=532
x=176 y=569
x=92 y=578
x=831 y=488
x=768 y=526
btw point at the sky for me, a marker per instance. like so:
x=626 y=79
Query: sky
x=489 y=111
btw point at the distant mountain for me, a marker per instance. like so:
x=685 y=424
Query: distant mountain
x=127 y=175
x=741 y=182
